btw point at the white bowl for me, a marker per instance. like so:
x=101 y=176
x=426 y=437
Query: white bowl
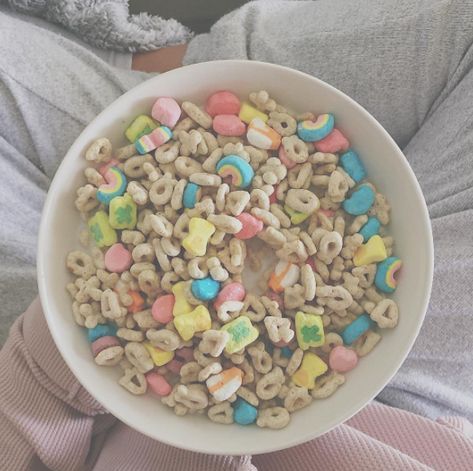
x=387 y=168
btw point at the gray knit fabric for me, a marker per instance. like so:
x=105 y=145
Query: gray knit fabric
x=409 y=63
x=107 y=25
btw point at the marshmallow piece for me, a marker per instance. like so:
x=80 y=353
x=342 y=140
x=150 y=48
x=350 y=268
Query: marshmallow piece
x=333 y=143
x=200 y=232
x=222 y=102
x=181 y=305
x=224 y=384
x=370 y=228
x=342 y=359
x=385 y=278
x=311 y=367
x=352 y=164
x=158 y=384
x=232 y=292
x=205 y=289
x=360 y=201
x=260 y=135
x=140 y=126
x=191 y=195
x=309 y=330
x=100 y=230
x=153 y=140
x=356 y=329
x=228 y=125
x=117 y=258
x=167 y=111
x=312 y=131
x=162 y=309
x=159 y=357
x=371 y=252
x=244 y=413
x=115 y=184
x=197 y=320
x=122 y=212
x=250 y=226
x=138 y=302
x=285 y=274
x=248 y=113
x=101 y=330
x=242 y=333
x=296 y=217
x=239 y=170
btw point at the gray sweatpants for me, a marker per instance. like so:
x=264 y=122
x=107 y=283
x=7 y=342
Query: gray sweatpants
x=409 y=63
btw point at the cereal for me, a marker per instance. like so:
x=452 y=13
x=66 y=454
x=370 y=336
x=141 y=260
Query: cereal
x=162 y=293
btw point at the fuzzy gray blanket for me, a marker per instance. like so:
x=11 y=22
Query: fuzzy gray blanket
x=107 y=24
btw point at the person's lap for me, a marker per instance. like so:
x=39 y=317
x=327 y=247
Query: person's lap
x=48 y=97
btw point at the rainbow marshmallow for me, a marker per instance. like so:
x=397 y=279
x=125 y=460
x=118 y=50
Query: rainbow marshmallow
x=385 y=274
x=238 y=169
x=115 y=186
x=313 y=131
x=153 y=140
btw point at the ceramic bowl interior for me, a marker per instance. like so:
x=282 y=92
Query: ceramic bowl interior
x=387 y=168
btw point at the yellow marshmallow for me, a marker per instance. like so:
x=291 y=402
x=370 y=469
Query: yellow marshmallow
x=248 y=112
x=181 y=305
x=159 y=357
x=371 y=252
x=102 y=233
x=196 y=321
x=312 y=367
x=309 y=330
x=200 y=232
x=242 y=333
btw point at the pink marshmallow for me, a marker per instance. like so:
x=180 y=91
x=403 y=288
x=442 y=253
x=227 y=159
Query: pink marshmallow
x=117 y=258
x=103 y=343
x=158 y=384
x=103 y=169
x=228 y=125
x=222 y=103
x=334 y=142
x=342 y=359
x=167 y=111
x=162 y=308
x=287 y=162
x=231 y=292
x=251 y=226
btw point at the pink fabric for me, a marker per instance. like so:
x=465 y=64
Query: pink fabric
x=48 y=421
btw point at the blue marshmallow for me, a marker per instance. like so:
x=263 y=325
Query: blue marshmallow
x=205 y=289
x=370 y=228
x=352 y=164
x=360 y=201
x=244 y=413
x=190 y=195
x=356 y=329
x=101 y=330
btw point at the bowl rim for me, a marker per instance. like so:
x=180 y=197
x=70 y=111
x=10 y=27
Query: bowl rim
x=43 y=239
